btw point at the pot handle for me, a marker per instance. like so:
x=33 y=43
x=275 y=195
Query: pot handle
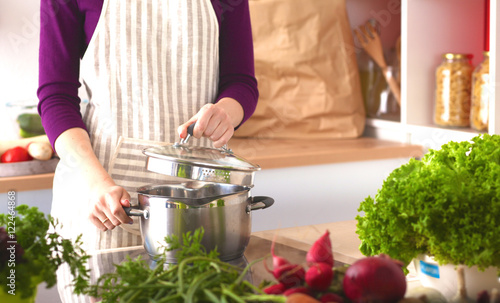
x=131 y=211
x=260 y=202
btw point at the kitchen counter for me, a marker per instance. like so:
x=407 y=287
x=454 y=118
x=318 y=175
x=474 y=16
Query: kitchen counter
x=345 y=241
x=274 y=153
x=281 y=153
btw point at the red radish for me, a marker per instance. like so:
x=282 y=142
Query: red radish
x=291 y=275
x=331 y=297
x=275 y=289
x=319 y=276
x=299 y=289
x=321 y=251
x=375 y=279
x=277 y=260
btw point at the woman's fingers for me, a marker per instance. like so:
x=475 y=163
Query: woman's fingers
x=211 y=122
x=107 y=211
x=98 y=220
x=224 y=138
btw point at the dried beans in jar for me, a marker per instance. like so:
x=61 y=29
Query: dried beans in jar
x=480 y=95
x=453 y=90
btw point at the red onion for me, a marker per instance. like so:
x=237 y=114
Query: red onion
x=375 y=280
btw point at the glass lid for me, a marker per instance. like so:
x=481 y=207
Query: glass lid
x=201 y=156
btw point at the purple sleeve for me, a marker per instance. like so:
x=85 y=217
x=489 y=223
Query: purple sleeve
x=61 y=46
x=237 y=75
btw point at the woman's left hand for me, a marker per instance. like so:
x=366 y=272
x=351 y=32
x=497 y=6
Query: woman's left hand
x=215 y=121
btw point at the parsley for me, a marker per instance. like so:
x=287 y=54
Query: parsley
x=447 y=205
x=39 y=252
x=199 y=276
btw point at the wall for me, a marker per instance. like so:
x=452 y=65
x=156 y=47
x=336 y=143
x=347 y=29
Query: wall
x=39 y=198
x=19 y=30
x=317 y=194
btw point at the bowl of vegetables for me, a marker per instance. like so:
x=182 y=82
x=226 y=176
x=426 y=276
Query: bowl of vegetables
x=446 y=206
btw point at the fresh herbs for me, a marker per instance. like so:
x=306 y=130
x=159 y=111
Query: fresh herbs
x=447 y=205
x=38 y=252
x=199 y=276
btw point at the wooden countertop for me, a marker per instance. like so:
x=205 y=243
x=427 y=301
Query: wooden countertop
x=280 y=153
x=274 y=153
x=345 y=241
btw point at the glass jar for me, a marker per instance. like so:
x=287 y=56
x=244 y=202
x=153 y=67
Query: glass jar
x=453 y=90
x=383 y=103
x=480 y=95
x=368 y=71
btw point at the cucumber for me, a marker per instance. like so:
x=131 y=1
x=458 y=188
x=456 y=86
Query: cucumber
x=30 y=125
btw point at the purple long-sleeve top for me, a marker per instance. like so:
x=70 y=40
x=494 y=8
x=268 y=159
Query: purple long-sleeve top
x=67 y=27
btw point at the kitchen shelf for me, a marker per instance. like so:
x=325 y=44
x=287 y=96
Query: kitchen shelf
x=430 y=28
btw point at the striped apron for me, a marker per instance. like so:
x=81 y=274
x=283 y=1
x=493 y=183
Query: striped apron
x=150 y=66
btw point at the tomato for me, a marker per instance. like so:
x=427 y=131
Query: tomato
x=15 y=154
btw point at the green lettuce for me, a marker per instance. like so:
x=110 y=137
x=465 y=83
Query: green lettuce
x=446 y=205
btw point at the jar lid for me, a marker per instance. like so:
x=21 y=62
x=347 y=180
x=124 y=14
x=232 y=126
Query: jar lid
x=450 y=56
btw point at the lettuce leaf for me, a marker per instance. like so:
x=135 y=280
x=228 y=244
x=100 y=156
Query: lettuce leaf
x=446 y=205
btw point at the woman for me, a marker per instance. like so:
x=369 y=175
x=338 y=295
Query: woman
x=150 y=68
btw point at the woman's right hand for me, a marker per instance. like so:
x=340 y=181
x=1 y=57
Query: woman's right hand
x=106 y=205
x=106 y=199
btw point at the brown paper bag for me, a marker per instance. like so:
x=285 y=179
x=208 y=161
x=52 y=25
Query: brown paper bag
x=306 y=68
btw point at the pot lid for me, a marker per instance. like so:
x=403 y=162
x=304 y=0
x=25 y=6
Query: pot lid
x=200 y=163
x=201 y=156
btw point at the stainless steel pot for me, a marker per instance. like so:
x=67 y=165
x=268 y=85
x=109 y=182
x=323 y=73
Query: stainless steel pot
x=223 y=210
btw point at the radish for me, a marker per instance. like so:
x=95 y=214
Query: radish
x=321 y=251
x=298 y=289
x=331 y=297
x=375 y=279
x=277 y=260
x=319 y=276
x=275 y=289
x=290 y=275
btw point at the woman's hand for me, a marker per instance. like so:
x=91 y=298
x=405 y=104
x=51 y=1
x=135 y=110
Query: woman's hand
x=106 y=207
x=215 y=121
x=106 y=198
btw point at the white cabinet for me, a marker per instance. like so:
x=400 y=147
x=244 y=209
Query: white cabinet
x=430 y=28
